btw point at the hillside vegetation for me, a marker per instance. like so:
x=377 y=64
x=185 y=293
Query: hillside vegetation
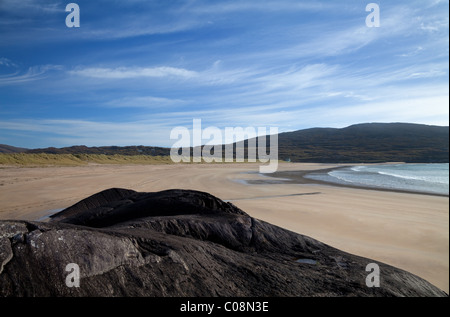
x=367 y=143
x=106 y=150
x=44 y=159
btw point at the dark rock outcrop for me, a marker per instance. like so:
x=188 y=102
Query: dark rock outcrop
x=180 y=243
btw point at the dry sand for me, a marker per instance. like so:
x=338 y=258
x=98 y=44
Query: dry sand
x=409 y=231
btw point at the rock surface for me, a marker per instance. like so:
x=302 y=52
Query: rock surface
x=180 y=243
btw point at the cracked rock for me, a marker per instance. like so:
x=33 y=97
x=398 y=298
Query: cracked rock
x=6 y=253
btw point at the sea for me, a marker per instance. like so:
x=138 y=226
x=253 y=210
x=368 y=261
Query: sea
x=423 y=178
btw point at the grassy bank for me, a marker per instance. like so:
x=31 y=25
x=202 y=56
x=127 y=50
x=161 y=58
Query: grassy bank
x=42 y=159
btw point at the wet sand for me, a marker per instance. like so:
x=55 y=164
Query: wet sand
x=407 y=230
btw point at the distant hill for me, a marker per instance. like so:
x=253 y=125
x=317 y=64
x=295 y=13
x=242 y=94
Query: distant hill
x=11 y=149
x=107 y=150
x=363 y=143
x=371 y=142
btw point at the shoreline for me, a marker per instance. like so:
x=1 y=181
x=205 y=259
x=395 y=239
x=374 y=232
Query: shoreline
x=298 y=177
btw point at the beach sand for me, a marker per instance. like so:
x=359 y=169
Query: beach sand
x=406 y=230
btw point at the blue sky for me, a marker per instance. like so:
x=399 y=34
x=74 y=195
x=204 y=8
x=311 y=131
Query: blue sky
x=136 y=69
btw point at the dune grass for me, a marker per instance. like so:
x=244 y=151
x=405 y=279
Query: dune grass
x=46 y=159
x=43 y=159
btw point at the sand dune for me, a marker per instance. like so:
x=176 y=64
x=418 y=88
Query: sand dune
x=409 y=231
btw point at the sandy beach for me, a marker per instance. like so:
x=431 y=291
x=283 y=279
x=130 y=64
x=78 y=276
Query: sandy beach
x=407 y=230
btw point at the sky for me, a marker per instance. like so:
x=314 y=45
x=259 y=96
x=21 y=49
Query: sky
x=135 y=70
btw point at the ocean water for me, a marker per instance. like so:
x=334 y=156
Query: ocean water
x=425 y=178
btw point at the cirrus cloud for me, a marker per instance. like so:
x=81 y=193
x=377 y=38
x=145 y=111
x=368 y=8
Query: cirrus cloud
x=134 y=72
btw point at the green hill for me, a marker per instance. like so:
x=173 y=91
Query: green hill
x=372 y=142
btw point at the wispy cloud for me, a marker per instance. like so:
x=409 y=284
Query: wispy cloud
x=134 y=72
x=434 y=26
x=7 y=62
x=413 y=52
x=31 y=74
x=299 y=78
x=93 y=133
x=149 y=102
x=208 y=7
x=20 y=7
